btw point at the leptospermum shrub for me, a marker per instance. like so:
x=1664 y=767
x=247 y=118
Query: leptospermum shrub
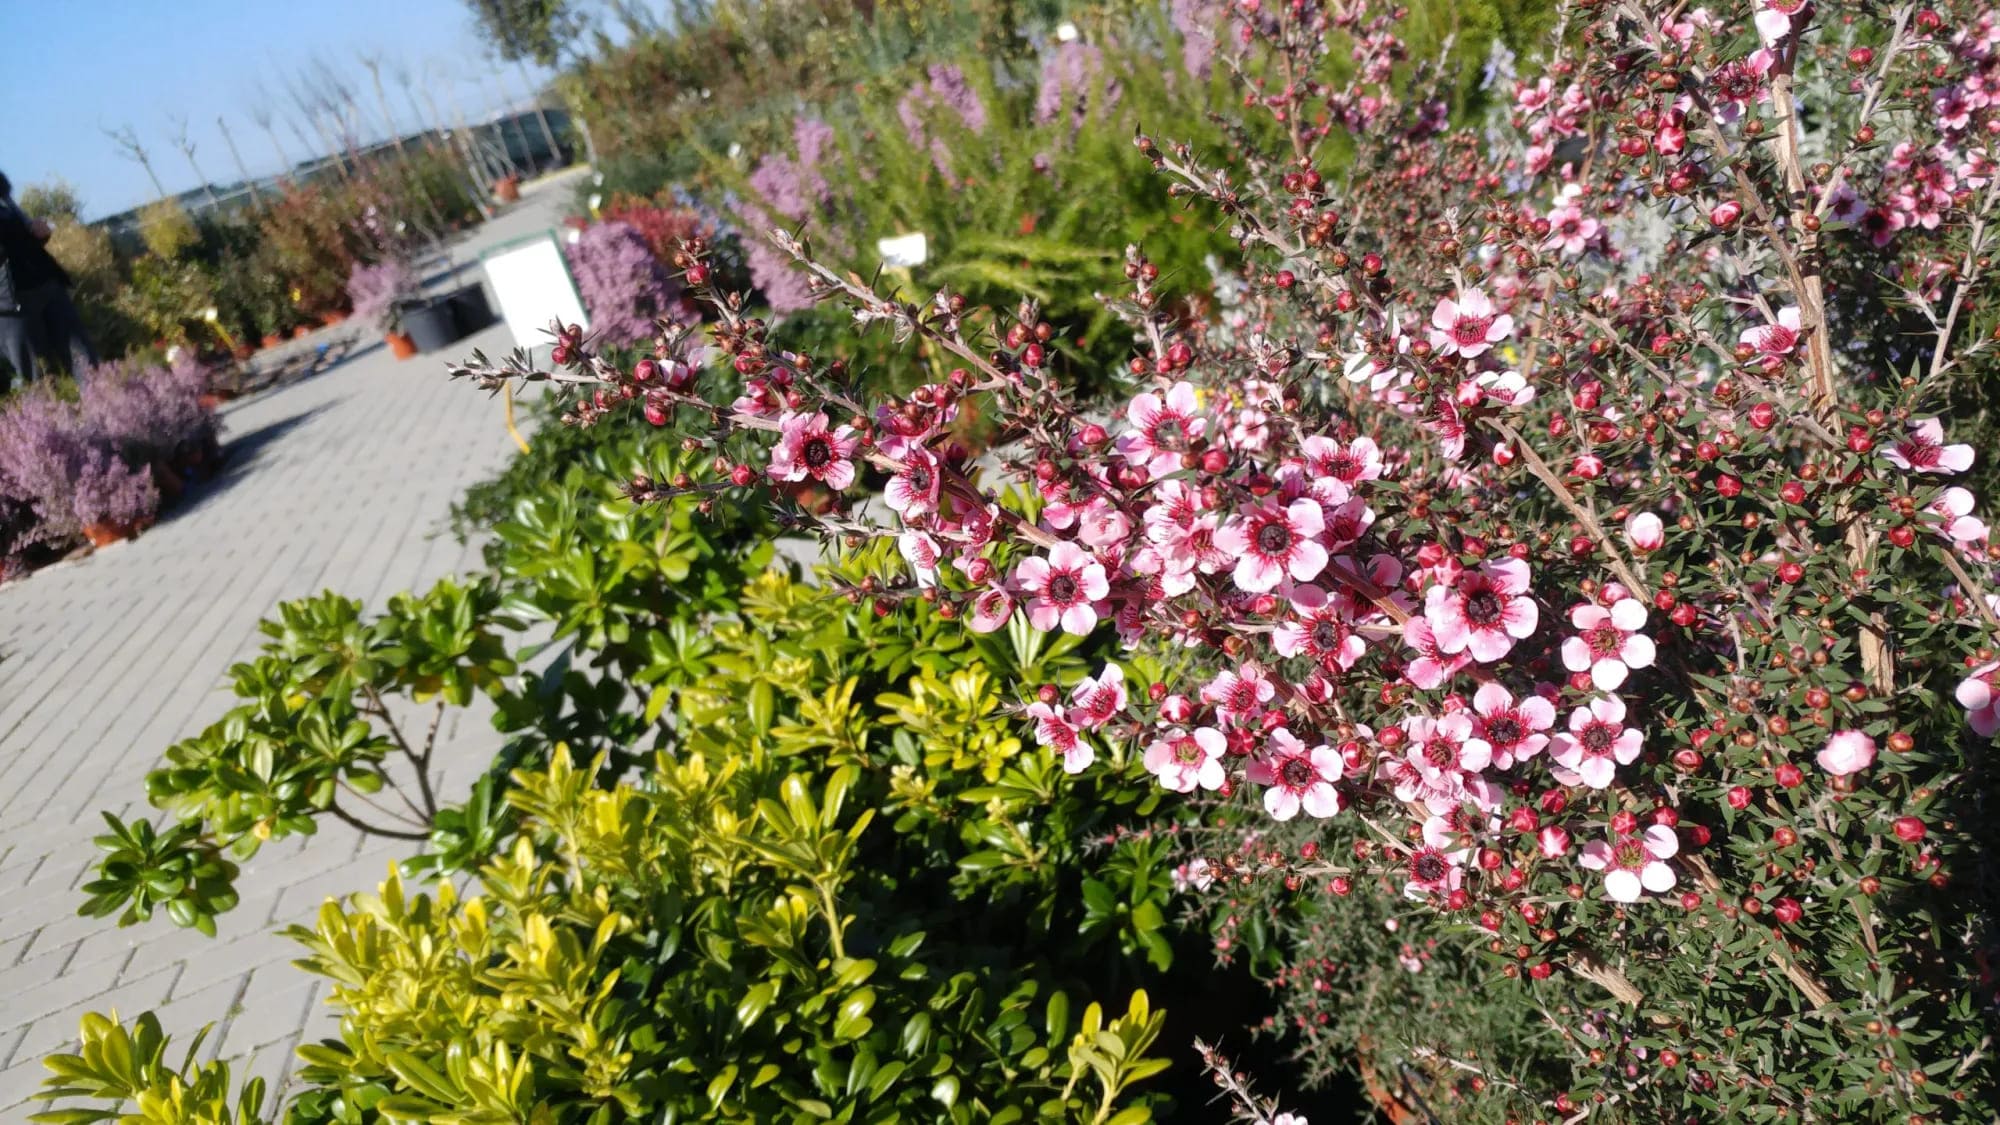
x=1554 y=553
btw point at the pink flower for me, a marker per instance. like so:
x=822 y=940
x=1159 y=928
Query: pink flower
x=1848 y=751
x=1774 y=19
x=1775 y=339
x=1468 y=326
x=1055 y=731
x=1186 y=761
x=1597 y=742
x=1320 y=630
x=1298 y=777
x=1924 y=451
x=1608 y=642
x=1431 y=666
x=1954 y=507
x=1645 y=531
x=1979 y=694
x=1632 y=864
x=1484 y=612
x=1553 y=841
x=1433 y=871
x=1270 y=541
x=1066 y=586
x=1094 y=702
x=913 y=491
x=807 y=448
x=1163 y=429
x=1196 y=874
x=920 y=550
x=1446 y=746
x=1239 y=695
x=990 y=611
x=1512 y=730
x=1569 y=229
x=1358 y=460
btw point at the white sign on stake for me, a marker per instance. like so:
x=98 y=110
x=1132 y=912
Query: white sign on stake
x=531 y=282
x=905 y=251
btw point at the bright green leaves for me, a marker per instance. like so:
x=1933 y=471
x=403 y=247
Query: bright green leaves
x=145 y=868
x=121 y=1064
x=326 y=706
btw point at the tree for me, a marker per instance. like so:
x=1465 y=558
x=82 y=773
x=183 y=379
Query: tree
x=55 y=202
x=540 y=30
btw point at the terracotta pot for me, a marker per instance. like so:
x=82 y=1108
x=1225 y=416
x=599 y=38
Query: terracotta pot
x=808 y=494
x=242 y=351
x=330 y=319
x=105 y=534
x=400 y=346
x=1389 y=1097
x=507 y=189
x=272 y=340
x=302 y=331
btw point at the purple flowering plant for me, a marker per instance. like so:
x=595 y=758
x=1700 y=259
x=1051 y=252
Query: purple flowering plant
x=110 y=492
x=376 y=290
x=624 y=287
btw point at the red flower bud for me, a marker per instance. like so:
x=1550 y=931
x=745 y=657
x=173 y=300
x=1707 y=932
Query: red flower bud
x=1909 y=829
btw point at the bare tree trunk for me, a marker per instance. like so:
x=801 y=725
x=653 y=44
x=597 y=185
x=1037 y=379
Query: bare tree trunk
x=374 y=65
x=548 y=134
x=242 y=171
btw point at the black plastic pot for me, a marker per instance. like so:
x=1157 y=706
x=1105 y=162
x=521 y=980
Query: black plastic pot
x=429 y=323
x=470 y=311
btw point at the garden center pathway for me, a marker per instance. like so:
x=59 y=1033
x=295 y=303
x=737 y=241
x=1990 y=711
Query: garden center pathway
x=342 y=480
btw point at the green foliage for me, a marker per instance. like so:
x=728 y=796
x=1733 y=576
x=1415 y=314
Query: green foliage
x=313 y=738
x=129 y=1066
x=55 y=202
x=701 y=945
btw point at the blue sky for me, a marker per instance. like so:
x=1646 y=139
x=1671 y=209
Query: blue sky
x=73 y=68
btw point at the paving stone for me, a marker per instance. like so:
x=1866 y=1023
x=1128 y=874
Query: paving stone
x=57 y=1030
x=342 y=481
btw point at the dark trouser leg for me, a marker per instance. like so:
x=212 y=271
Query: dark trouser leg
x=65 y=334
x=15 y=350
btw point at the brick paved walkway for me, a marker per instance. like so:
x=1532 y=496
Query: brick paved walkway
x=340 y=481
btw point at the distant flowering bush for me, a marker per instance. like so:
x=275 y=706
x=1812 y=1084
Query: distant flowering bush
x=790 y=190
x=664 y=228
x=375 y=289
x=1199 y=23
x=44 y=444
x=942 y=90
x=1074 y=81
x=64 y=464
x=149 y=413
x=1552 y=574
x=624 y=287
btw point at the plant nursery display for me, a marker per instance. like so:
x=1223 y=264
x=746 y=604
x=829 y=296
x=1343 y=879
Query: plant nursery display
x=1417 y=560
x=1554 y=548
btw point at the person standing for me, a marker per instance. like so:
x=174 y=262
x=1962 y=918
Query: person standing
x=36 y=313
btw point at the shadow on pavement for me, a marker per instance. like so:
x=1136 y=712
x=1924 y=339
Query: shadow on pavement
x=239 y=454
